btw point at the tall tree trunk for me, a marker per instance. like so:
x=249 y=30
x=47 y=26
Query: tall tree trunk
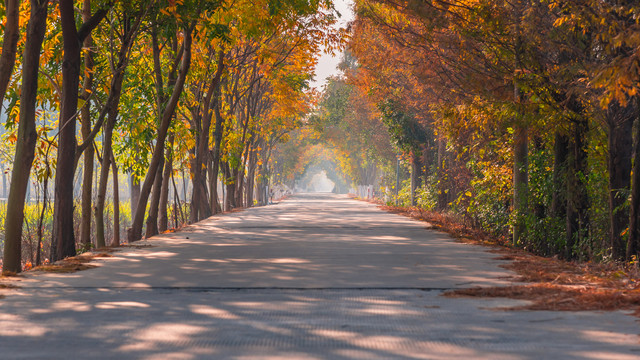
x=620 y=120
x=63 y=239
x=213 y=186
x=520 y=182
x=559 y=196
x=152 y=217
x=158 y=151
x=10 y=40
x=442 y=175
x=260 y=198
x=4 y=181
x=230 y=186
x=85 y=120
x=539 y=207
x=26 y=139
x=251 y=179
x=415 y=177
x=102 y=187
x=163 y=218
x=134 y=192
x=237 y=189
x=633 y=245
x=177 y=205
x=215 y=166
x=577 y=194
x=115 y=242
x=238 y=175
x=111 y=109
x=45 y=185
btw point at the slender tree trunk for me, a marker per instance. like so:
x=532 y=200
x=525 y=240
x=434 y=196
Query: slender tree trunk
x=158 y=152
x=239 y=191
x=45 y=200
x=10 y=40
x=442 y=175
x=102 y=186
x=260 y=187
x=251 y=179
x=196 y=195
x=107 y=138
x=116 y=203
x=521 y=137
x=520 y=182
x=539 y=207
x=415 y=177
x=85 y=117
x=163 y=218
x=134 y=187
x=620 y=120
x=213 y=187
x=633 y=245
x=230 y=196
x=26 y=139
x=215 y=166
x=559 y=196
x=577 y=194
x=4 y=181
x=152 y=217
x=177 y=205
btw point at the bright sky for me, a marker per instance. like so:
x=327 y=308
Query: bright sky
x=327 y=64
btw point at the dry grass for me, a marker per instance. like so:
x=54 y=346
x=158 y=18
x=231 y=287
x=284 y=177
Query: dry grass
x=551 y=283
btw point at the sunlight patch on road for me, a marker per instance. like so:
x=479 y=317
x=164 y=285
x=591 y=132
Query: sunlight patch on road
x=107 y=305
x=212 y=312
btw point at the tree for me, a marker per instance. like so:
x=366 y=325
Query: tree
x=166 y=114
x=63 y=240
x=9 y=44
x=27 y=136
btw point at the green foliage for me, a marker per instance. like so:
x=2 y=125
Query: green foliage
x=406 y=132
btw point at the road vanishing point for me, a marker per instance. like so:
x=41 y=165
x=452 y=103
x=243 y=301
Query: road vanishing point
x=317 y=276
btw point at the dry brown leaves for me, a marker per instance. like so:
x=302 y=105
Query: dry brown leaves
x=74 y=263
x=546 y=296
x=552 y=284
x=9 y=286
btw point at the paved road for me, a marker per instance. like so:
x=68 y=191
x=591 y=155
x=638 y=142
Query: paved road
x=314 y=277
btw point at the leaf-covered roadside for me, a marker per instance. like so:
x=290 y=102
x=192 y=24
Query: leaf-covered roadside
x=548 y=283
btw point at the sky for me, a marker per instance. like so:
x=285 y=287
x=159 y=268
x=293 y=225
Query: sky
x=327 y=64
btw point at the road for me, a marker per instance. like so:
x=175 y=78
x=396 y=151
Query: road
x=317 y=276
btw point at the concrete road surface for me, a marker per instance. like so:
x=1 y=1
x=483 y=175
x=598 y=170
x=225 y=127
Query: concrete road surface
x=317 y=276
